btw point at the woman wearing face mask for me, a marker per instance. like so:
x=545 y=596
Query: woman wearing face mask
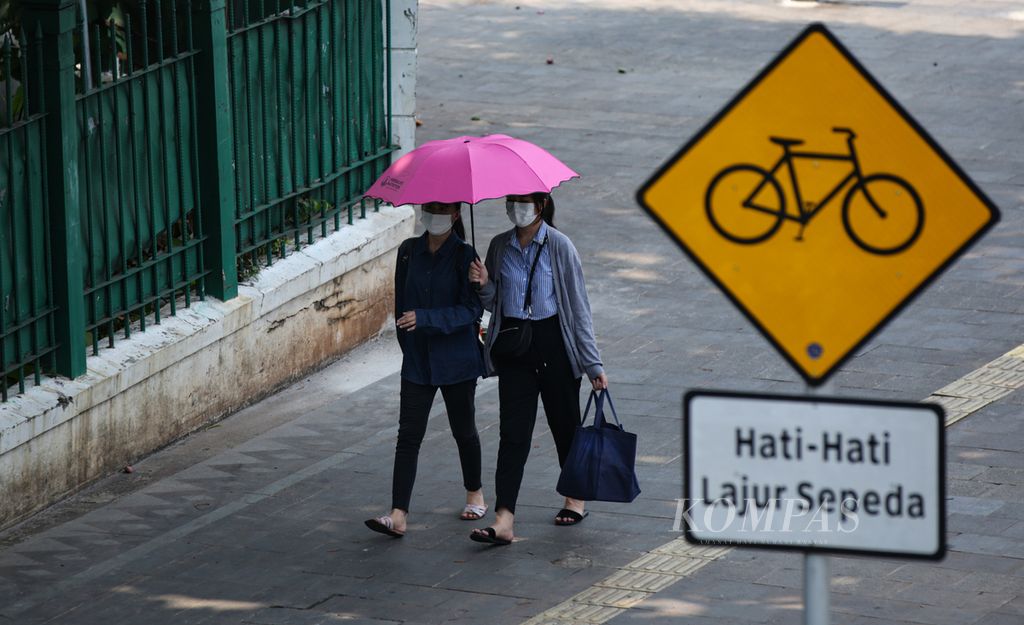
x=562 y=348
x=437 y=311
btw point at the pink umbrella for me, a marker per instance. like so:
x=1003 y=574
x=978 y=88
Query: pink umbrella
x=469 y=169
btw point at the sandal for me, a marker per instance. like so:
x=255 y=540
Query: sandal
x=489 y=537
x=384 y=525
x=573 y=516
x=473 y=512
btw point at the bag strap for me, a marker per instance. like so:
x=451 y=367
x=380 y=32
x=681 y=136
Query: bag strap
x=527 y=305
x=404 y=252
x=586 y=411
x=460 y=260
x=599 y=412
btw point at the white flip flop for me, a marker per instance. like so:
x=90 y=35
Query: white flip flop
x=471 y=508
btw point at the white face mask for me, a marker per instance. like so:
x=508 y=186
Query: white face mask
x=436 y=224
x=522 y=214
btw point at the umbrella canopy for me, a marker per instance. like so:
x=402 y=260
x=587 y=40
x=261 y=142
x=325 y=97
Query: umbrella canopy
x=469 y=169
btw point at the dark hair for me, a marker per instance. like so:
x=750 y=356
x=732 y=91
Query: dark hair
x=457 y=225
x=547 y=206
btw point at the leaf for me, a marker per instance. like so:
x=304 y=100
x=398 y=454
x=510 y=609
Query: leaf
x=118 y=18
x=18 y=103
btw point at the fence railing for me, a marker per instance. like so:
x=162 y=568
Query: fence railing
x=310 y=127
x=138 y=159
x=27 y=311
x=150 y=155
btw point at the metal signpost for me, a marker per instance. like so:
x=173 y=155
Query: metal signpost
x=821 y=208
x=817 y=569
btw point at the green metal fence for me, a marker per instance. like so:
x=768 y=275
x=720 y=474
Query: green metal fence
x=151 y=154
x=310 y=126
x=27 y=345
x=138 y=159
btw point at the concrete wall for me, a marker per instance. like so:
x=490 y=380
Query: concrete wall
x=404 y=17
x=192 y=369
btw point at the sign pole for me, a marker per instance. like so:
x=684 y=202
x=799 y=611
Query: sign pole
x=816 y=600
x=816 y=566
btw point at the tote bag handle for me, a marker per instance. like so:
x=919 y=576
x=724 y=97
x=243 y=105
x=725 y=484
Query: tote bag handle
x=599 y=419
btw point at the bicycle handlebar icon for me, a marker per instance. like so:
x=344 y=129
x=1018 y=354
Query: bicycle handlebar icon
x=885 y=201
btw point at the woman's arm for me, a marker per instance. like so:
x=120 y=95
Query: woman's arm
x=583 y=323
x=489 y=291
x=468 y=308
x=401 y=271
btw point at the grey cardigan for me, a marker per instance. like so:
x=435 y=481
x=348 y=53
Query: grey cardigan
x=570 y=296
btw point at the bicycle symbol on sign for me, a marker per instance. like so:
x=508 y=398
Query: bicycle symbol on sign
x=882 y=213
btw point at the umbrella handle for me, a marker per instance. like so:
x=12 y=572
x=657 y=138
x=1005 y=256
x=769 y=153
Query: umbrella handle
x=472 y=232
x=472 y=226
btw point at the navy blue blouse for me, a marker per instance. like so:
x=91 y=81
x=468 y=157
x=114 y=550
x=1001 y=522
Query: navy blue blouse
x=443 y=349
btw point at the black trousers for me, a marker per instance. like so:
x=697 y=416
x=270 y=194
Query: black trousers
x=416 y=401
x=544 y=371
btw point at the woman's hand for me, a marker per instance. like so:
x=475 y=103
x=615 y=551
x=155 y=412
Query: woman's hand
x=477 y=272
x=600 y=382
x=407 y=321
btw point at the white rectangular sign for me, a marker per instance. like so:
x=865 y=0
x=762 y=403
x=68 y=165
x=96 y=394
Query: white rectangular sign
x=819 y=473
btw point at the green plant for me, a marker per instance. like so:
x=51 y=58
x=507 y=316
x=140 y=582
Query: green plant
x=251 y=263
x=307 y=207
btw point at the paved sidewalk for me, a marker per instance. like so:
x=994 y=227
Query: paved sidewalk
x=260 y=520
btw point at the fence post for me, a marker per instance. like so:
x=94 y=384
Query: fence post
x=216 y=174
x=55 y=20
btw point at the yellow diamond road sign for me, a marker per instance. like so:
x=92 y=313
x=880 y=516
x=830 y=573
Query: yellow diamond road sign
x=817 y=204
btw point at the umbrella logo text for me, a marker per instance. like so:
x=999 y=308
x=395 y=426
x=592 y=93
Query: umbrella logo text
x=392 y=183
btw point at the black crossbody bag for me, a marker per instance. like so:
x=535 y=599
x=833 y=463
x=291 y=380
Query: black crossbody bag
x=515 y=336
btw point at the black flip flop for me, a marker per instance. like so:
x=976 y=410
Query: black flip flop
x=378 y=526
x=575 y=517
x=490 y=537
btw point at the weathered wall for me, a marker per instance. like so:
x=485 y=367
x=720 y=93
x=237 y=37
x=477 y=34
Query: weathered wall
x=404 y=17
x=199 y=366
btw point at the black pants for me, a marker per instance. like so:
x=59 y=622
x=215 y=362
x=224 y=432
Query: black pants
x=416 y=401
x=543 y=371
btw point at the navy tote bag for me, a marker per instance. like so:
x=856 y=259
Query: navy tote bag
x=600 y=465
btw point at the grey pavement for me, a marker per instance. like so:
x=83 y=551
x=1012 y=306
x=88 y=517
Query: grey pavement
x=260 y=520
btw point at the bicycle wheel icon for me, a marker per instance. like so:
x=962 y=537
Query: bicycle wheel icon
x=883 y=214
x=745 y=204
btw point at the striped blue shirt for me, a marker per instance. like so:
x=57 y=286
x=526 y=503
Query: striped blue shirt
x=515 y=272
